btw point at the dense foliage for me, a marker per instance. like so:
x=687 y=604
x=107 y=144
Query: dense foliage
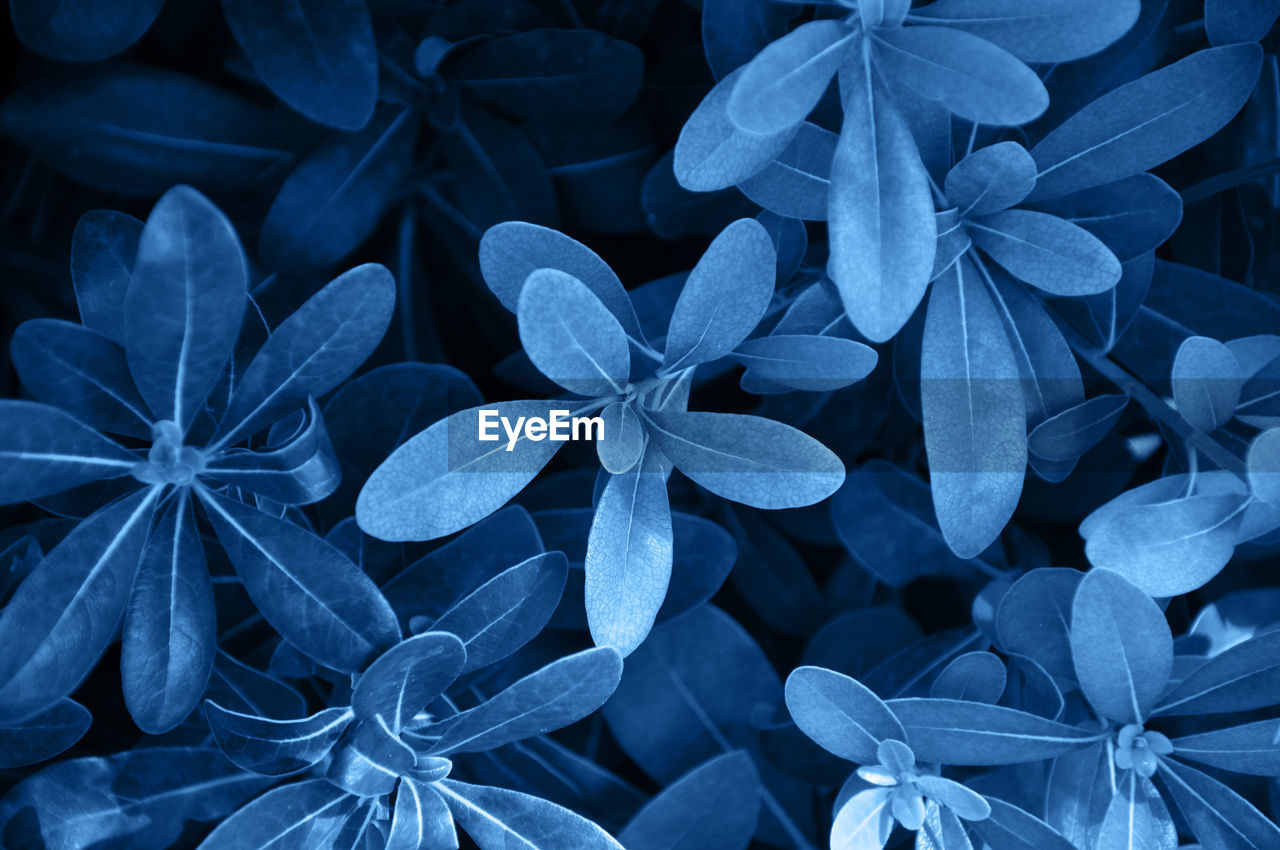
x=935 y=350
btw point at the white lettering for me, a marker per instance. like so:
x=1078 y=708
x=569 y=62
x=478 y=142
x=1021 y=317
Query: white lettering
x=513 y=434
x=486 y=424
x=535 y=429
x=587 y=423
x=560 y=427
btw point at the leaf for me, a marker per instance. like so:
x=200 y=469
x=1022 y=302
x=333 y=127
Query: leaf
x=554 y=696
x=1034 y=619
x=629 y=557
x=320 y=58
x=1130 y=216
x=1241 y=20
x=183 y=307
x=1121 y=646
x=560 y=75
x=64 y=614
x=421 y=819
x=103 y=248
x=864 y=822
x=724 y=298
x=444 y=479
x=275 y=747
x=1010 y=828
x=785 y=81
x=571 y=336
x=312 y=351
x=1252 y=748
x=807 y=362
x=1137 y=818
x=43 y=736
x=507 y=611
x=333 y=199
x=139 y=130
x=301 y=471
x=1217 y=815
x=796 y=182
x=622 y=443
x=677 y=818
x=881 y=214
x=770 y=576
x=1206 y=383
x=974 y=414
x=138 y=798
x=1146 y=122
x=44 y=450
x=1038 y=30
x=498 y=819
x=497 y=174
x=1047 y=252
x=300 y=815
x=974 y=676
x=170 y=630
x=747 y=459
x=1077 y=429
x=1263 y=464
x=959 y=732
x=307 y=590
x=1242 y=677
x=841 y=714
x=407 y=677
x=991 y=179
x=81 y=32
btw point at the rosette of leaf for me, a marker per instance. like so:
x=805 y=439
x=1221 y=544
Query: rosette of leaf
x=902 y=73
x=579 y=328
x=1152 y=701
x=165 y=358
x=375 y=769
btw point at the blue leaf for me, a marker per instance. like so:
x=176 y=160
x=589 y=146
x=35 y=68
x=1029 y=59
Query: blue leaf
x=556 y=695
x=1010 y=828
x=1251 y=748
x=1137 y=817
x=169 y=637
x=629 y=557
x=421 y=819
x=622 y=444
x=1243 y=677
x=313 y=350
x=139 y=130
x=301 y=471
x=1218 y=816
x=404 y=679
x=747 y=459
x=242 y=688
x=43 y=736
x=732 y=34
x=334 y=198
x=973 y=733
x=1238 y=20
x=771 y=577
x=511 y=251
x=507 y=611
x=1143 y=123
x=571 y=336
x=305 y=815
x=1038 y=30
x=1034 y=619
x=65 y=613
x=974 y=676
x=1077 y=429
x=320 y=58
x=103 y=248
x=677 y=818
x=785 y=81
x=139 y=798
x=1121 y=646
x=991 y=179
x=275 y=747
x=45 y=450
x=307 y=590
x=971 y=76
x=497 y=818
x=881 y=210
x=724 y=298
x=1263 y=463
x=1130 y=216
x=807 y=362
x=1047 y=252
x=974 y=414
x=82 y=371
x=1206 y=382
x=81 y=32
x=444 y=479
x=184 y=303
x=864 y=822
x=840 y=713
x=797 y=181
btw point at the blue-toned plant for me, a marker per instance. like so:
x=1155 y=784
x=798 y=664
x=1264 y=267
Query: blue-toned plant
x=579 y=328
x=166 y=359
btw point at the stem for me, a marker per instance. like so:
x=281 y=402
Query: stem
x=1230 y=180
